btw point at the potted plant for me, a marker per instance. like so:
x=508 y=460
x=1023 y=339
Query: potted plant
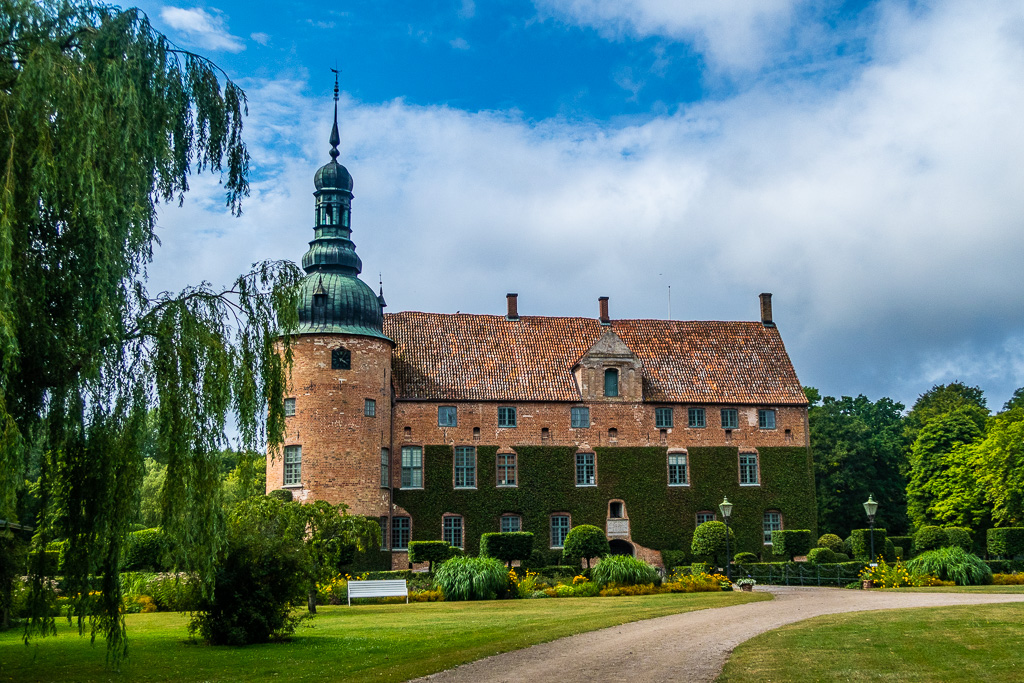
x=746 y=584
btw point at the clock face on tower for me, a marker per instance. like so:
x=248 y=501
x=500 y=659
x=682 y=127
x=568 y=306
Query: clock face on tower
x=341 y=359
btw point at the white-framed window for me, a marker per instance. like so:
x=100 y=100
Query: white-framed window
x=293 y=465
x=772 y=522
x=506 y=469
x=730 y=418
x=447 y=416
x=385 y=468
x=289 y=407
x=663 y=418
x=696 y=418
x=705 y=516
x=412 y=467
x=611 y=382
x=585 y=470
x=451 y=531
x=677 y=474
x=748 y=469
x=370 y=407
x=401 y=532
x=506 y=416
x=580 y=417
x=465 y=467
x=559 y=530
x=766 y=419
x=511 y=524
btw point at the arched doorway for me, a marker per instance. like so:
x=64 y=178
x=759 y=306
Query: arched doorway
x=620 y=547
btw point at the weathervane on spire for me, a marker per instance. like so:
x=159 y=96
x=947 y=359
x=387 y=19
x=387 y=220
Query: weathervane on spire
x=335 y=138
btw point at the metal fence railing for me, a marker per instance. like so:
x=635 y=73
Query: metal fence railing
x=800 y=574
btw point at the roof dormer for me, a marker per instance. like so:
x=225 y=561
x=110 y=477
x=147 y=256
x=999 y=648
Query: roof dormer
x=609 y=371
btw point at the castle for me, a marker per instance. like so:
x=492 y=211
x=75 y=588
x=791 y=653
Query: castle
x=449 y=426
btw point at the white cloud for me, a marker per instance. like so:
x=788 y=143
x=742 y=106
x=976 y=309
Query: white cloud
x=459 y=43
x=886 y=217
x=261 y=38
x=207 y=30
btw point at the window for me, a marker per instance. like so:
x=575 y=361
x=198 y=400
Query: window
x=465 y=467
x=412 y=467
x=613 y=435
x=615 y=509
x=580 y=417
x=383 y=521
x=705 y=516
x=289 y=407
x=400 y=532
x=511 y=524
x=545 y=434
x=663 y=418
x=447 y=416
x=772 y=522
x=507 y=416
x=611 y=382
x=370 y=408
x=584 y=469
x=748 y=469
x=506 y=469
x=677 y=469
x=559 y=530
x=385 y=468
x=696 y=417
x=341 y=359
x=293 y=465
x=452 y=531
x=730 y=418
x=766 y=419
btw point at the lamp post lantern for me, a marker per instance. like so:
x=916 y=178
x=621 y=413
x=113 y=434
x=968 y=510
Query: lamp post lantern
x=726 y=508
x=871 y=507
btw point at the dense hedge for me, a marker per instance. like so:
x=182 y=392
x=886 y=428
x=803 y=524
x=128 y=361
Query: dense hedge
x=860 y=543
x=821 y=556
x=905 y=542
x=661 y=517
x=960 y=537
x=1006 y=566
x=1007 y=542
x=508 y=546
x=930 y=538
x=801 y=573
x=146 y=550
x=792 y=542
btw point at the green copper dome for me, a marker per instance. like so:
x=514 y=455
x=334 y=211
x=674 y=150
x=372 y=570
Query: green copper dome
x=332 y=298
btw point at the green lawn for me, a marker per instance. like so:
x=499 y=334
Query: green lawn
x=940 y=644
x=378 y=642
x=967 y=589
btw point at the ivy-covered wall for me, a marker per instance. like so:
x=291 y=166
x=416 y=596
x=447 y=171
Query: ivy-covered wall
x=661 y=517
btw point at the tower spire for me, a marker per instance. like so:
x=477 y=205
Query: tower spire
x=335 y=138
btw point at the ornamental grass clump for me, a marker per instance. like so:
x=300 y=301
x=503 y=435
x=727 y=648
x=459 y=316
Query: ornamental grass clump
x=624 y=570
x=472 y=578
x=953 y=564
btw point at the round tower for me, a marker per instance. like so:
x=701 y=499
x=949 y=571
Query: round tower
x=338 y=398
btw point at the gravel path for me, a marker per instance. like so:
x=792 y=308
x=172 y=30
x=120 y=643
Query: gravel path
x=685 y=647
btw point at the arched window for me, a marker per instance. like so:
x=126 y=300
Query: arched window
x=611 y=382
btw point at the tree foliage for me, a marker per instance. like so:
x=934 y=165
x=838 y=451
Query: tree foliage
x=585 y=542
x=101 y=119
x=330 y=538
x=938 y=464
x=709 y=541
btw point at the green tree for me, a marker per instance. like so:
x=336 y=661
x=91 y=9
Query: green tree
x=585 y=542
x=709 y=541
x=331 y=535
x=937 y=464
x=999 y=467
x=101 y=118
x=946 y=398
x=859 y=448
x=1016 y=400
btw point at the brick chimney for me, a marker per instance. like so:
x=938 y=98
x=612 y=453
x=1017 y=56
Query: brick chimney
x=766 y=310
x=603 y=303
x=513 y=306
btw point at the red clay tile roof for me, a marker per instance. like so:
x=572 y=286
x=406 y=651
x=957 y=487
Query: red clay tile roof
x=457 y=357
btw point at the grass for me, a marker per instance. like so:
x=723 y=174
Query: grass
x=967 y=589
x=378 y=642
x=962 y=643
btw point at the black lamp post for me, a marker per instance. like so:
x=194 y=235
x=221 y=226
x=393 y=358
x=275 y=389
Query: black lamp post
x=726 y=508
x=871 y=507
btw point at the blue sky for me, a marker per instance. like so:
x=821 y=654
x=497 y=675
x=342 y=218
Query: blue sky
x=860 y=160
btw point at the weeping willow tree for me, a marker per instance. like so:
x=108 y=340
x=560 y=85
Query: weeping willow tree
x=101 y=120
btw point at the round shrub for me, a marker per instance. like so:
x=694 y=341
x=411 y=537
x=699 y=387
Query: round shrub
x=146 y=551
x=960 y=537
x=709 y=541
x=283 y=495
x=832 y=542
x=930 y=538
x=744 y=558
x=624 y=570
x=842 y=557
x=952 y=564
x=821 y=555
x=472 y=578
x=585 y=542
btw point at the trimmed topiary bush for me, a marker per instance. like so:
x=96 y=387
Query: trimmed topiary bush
x=842 y=557
x=790 y=543
x=146 y=550
x=744 y=558
x=890 y=551
x=283 y=495
x=905 y=542
x=860 y=541
x=832 y=542
x=584 y=542
x=472 y=578
x=952 y=564
x=709 y=541
x=930 y=538
x=960 y=537
x=508 y=546
x=1006 y=542
x=821 y=556
x=430 y=551
x=673 y=558
x=624 y=570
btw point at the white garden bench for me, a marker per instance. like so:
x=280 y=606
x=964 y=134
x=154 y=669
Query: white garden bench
x=378 y=589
